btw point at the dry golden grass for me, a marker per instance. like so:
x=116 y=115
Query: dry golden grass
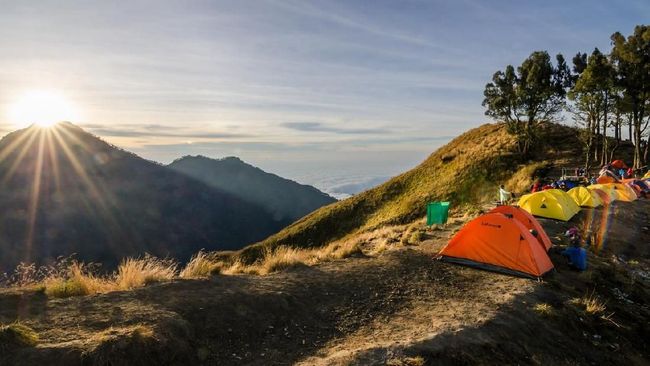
x=138 y=272
x=523 y=179
x=72 y=278
x=201 y=265
x=544 y=309
x=284 y=257
x=77 y=281
x=17 y=335
x=122 y=345
x=591 y=303
x=406 y=361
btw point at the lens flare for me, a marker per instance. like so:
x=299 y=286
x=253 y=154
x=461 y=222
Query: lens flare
x=42 y=108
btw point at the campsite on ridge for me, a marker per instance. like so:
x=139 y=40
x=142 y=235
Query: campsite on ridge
x=141 y=224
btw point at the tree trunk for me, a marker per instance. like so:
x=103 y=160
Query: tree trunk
x=629 y=126
x=637 y=142
x=595 y=133
x=603 y=159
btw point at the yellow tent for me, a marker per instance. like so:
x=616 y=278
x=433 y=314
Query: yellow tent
x=623 y=192
x=585 y=197
x=552 y=204
x=647 y=175
x=611 y=191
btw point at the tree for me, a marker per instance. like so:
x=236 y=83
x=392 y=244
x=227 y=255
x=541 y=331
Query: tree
x=532 y=94
x=632 y=58
x=592 y=96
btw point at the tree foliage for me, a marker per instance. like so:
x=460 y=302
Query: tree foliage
x=533 y=93
x=592 y=95
x=631 y=56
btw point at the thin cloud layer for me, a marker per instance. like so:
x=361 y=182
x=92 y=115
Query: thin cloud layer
x=321 y=127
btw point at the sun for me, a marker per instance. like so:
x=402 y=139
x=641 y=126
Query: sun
x=43 y=108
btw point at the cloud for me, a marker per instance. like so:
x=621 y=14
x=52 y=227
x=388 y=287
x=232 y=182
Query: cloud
x=321 y=127
x=155 y=130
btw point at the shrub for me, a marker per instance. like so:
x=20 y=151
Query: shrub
x=17 y=335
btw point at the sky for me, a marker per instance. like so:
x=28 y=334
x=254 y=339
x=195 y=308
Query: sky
x=330 y=93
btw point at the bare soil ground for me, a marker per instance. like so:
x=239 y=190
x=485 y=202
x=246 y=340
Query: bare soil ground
x=384 y=309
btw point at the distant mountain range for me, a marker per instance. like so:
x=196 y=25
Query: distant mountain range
x=64 y=191
x=283 y=198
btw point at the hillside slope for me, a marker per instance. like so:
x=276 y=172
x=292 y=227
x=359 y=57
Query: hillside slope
x=64 y=191
x=397 y=307
x=467 y=171
x=283 y=198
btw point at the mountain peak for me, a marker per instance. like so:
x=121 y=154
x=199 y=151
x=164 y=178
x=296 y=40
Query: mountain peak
x=284 y=198
x=64 y=190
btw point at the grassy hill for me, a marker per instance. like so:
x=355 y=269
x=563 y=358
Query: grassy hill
x=285 y=199
x=64 y=191
x=467 y=172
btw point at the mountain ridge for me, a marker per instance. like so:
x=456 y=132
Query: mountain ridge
x=466 y=171
x=67 y=191
x=284 y=198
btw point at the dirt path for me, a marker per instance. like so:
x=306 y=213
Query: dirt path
x=364 y=310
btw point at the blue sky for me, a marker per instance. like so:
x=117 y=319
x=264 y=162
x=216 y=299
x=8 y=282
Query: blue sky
x=286 y=85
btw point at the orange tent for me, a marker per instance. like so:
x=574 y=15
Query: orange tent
x=619 y=164
x=499 y=243
x=529 y=222
x=604 y=179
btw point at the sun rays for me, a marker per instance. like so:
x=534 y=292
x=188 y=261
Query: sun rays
x=38 y=153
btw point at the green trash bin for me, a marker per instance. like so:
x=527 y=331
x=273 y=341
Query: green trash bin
x=437 y=213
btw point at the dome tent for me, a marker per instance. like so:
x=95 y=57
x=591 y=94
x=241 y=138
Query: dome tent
x=500 y=243
x=584 y=197
x=529 y=222
x=552 y=204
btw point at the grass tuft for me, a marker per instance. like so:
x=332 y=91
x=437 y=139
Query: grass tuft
x=590 y=303
x=138 y=272
x=283 y=258
x=78 y=281
x=544 y=309
x=406 y=361
x=17 y=335
x=201 y=265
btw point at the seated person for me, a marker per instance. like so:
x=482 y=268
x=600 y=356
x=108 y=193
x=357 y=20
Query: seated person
x=576 y=255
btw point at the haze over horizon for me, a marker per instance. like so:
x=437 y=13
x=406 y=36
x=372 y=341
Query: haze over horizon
x=327 y=93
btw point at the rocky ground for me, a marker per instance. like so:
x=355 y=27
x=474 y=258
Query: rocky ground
x=399 y=307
